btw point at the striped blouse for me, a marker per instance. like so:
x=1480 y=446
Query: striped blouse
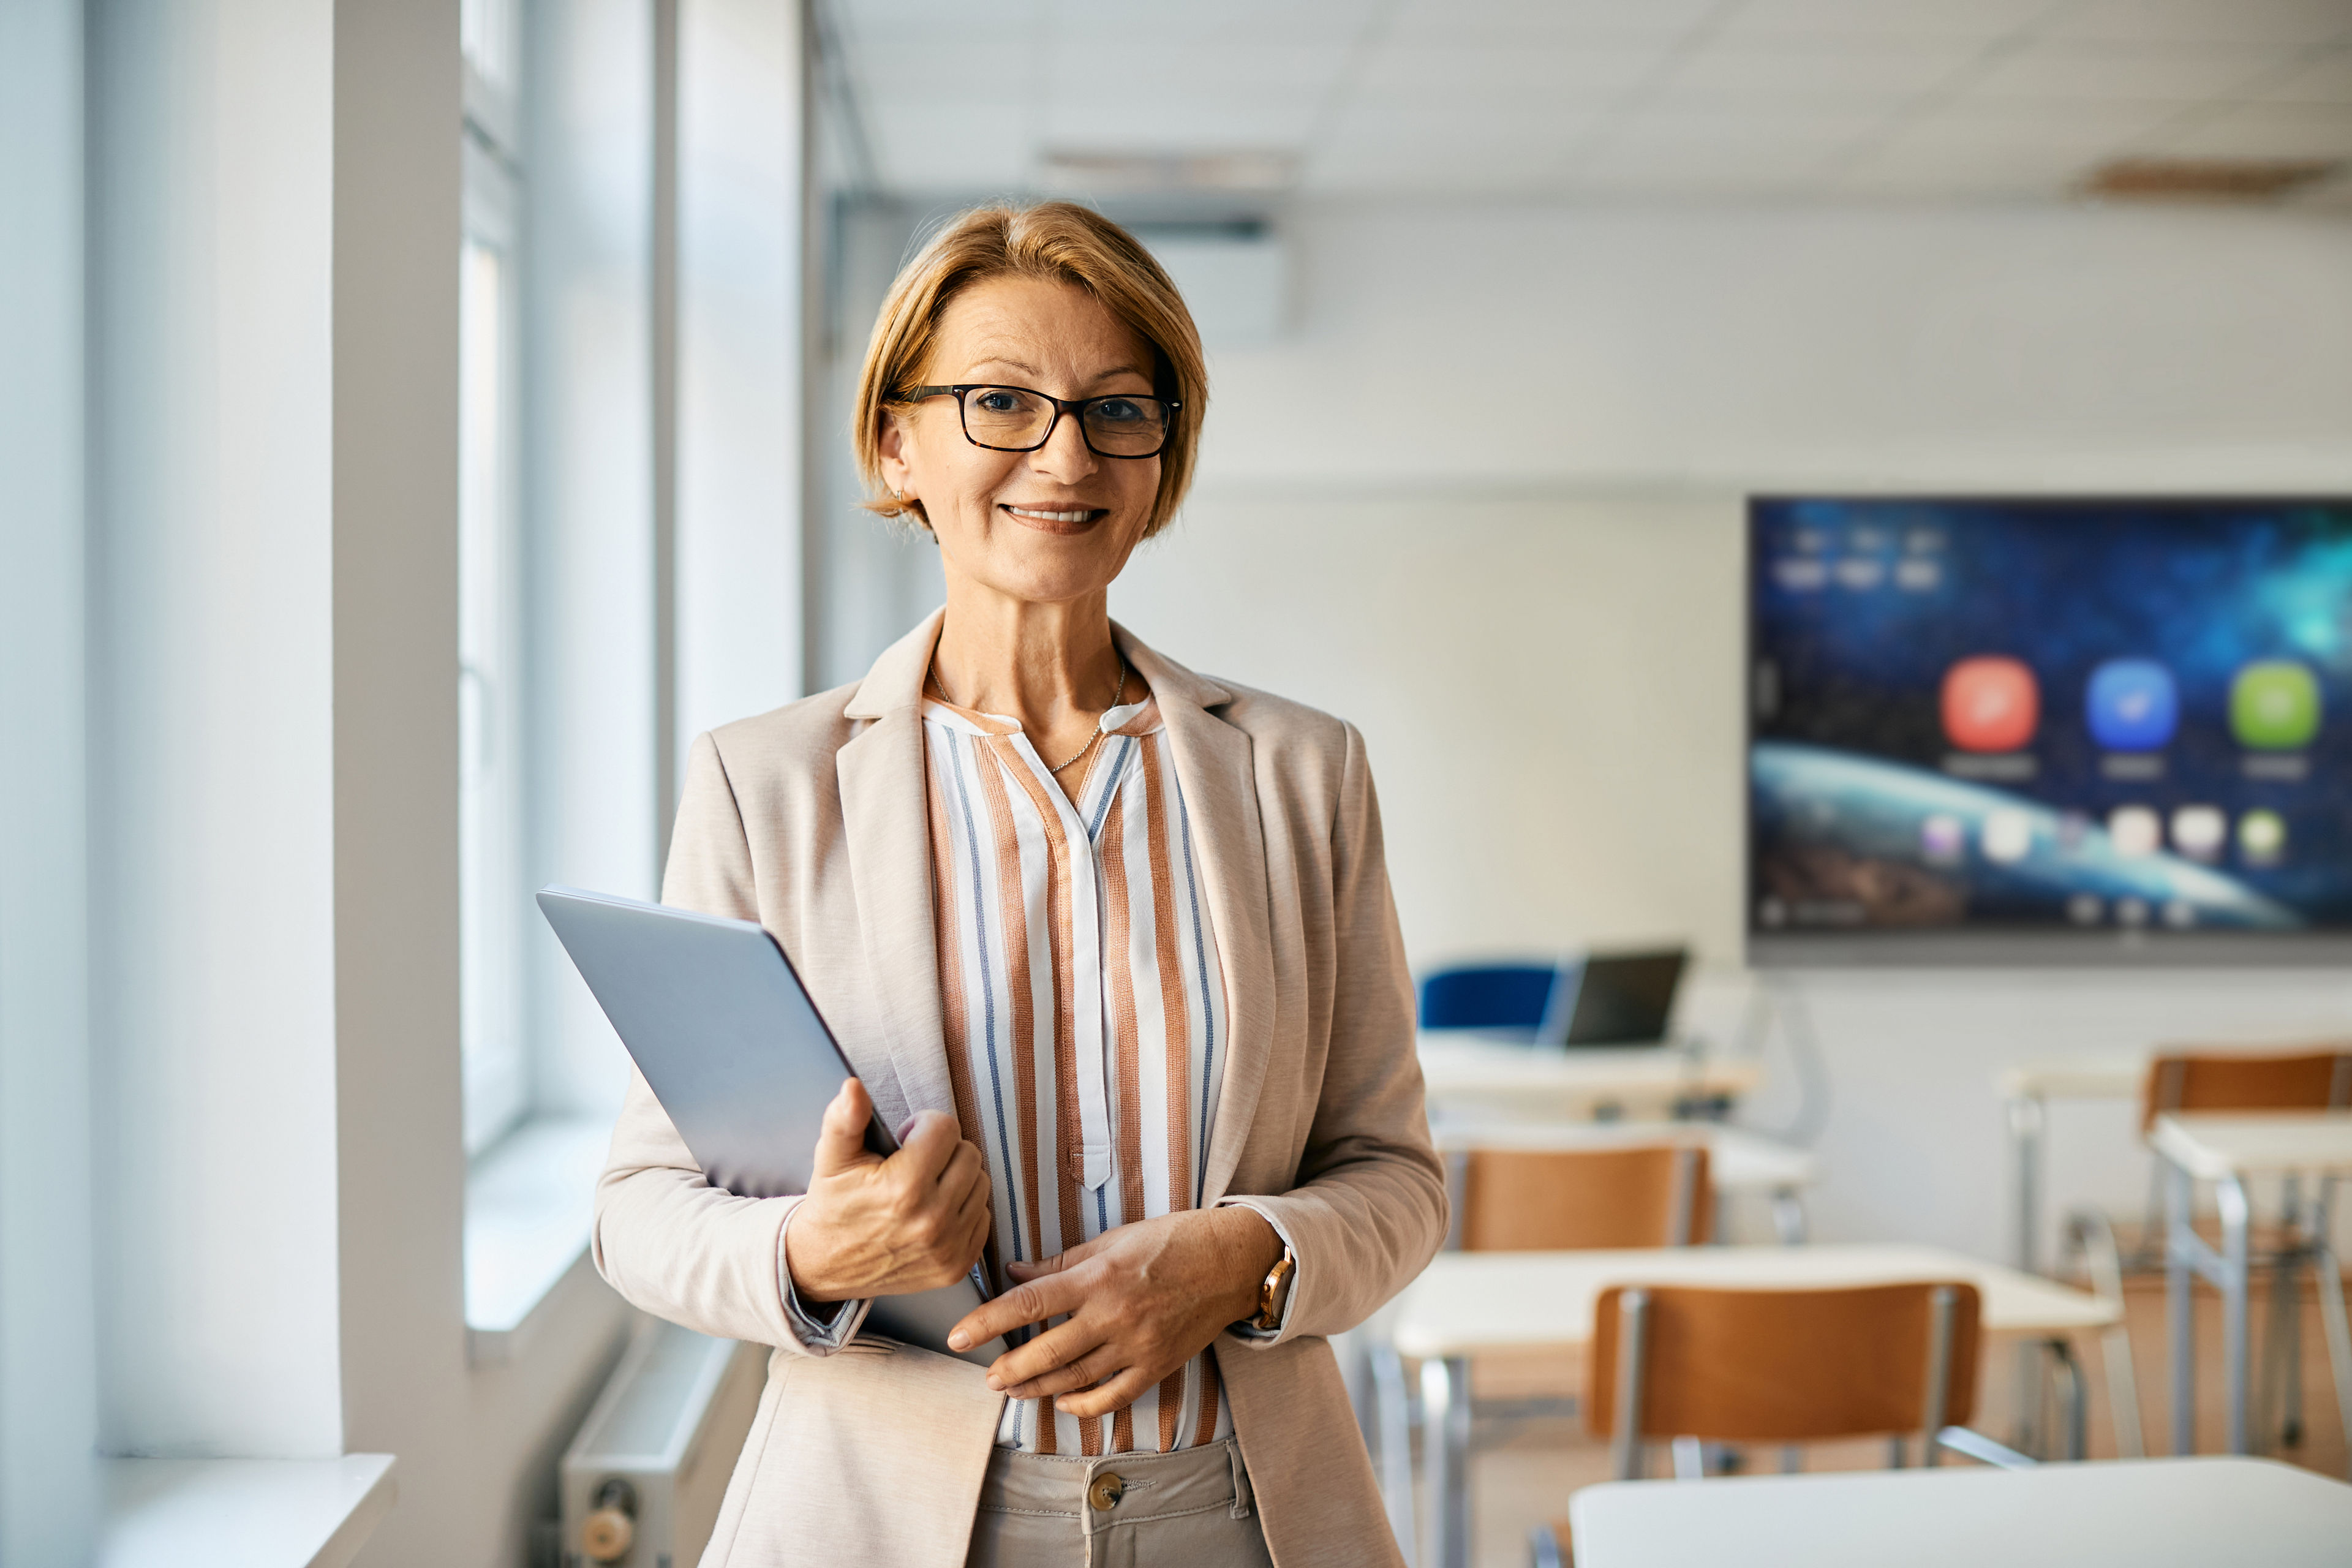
x=1083 y=1012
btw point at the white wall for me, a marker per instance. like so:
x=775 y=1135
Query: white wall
x=211 y=763
x=1486 y=501
x=49 y=1353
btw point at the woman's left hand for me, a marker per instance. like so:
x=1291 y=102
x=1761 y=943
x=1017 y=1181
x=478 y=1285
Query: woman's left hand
x=1141 y=1301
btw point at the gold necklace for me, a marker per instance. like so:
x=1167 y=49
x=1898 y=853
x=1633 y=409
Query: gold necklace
x=1119 y=692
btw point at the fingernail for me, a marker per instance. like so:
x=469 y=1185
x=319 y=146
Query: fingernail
x=995 y=1385
x=959 y=1341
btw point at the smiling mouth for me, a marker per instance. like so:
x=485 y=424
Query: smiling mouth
x=1042 y=514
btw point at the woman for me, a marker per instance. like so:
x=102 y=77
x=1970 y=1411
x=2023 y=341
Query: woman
x=1111 y=941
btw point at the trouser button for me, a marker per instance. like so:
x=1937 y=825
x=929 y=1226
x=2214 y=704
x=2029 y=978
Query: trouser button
x=1106 y=1491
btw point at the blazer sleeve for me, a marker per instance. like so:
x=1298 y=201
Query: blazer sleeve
x=1369 y=1207
x=668 y=1240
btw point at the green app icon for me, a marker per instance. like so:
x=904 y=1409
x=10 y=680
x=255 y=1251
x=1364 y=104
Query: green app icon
x=2275 y=706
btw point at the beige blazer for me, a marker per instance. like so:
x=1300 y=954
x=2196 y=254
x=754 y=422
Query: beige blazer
x=811 y=820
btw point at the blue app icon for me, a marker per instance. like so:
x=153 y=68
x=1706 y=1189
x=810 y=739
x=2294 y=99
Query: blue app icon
x=2132 y=705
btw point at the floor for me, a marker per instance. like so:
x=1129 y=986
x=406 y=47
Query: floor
x=1529 y=1459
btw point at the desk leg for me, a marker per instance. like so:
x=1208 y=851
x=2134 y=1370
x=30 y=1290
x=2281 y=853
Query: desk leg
x=2027 y=1117
x=2177 y=1306
x=2074 y=1399
x=2231 y=1193
x=1445 y=1437
x=1393 y=1420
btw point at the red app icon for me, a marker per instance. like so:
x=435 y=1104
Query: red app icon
x=1991 y=703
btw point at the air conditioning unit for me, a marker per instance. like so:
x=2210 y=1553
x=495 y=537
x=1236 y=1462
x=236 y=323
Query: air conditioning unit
x=642 y=1481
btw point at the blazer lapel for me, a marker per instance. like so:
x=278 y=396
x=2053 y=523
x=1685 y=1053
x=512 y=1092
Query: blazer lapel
x=882 y=775
x=1215 y=766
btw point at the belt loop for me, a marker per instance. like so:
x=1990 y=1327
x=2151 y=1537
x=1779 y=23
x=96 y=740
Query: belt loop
x=1086 y=1513
x=1242 y=1499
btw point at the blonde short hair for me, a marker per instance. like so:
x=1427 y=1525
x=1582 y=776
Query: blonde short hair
x=1060 y=242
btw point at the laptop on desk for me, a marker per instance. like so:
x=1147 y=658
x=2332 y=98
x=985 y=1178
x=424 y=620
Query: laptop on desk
x=1613 y=999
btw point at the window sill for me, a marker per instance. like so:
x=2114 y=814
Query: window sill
x=529 y=1204
x=243 y=1513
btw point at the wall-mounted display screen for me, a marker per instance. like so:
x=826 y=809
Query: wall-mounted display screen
x=1996 y=730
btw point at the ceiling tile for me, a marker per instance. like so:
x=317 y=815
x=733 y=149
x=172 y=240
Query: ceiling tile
x=1790 y=70
x=2007 y=144
x=2323 y=78
x=1965 y=21
x=889 y=23
x=2285 y=22
x=2270 y=131
x=1105 y=121
x=2075 y=69
x=1103 y=71
x=996 y=68
x=933 y=147
x=1235 y=24
x=1464 y=20
x=1545 y=70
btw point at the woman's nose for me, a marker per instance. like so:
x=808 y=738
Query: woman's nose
x=1065 y=455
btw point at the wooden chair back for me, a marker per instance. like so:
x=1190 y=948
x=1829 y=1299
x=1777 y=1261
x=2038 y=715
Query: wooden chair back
x=1553 y=1200
x=1780 y=1366
x=2317 y=1078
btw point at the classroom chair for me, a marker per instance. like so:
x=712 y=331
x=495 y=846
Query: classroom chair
x=2316 y=1077
x=1495 y=997
x=1559 y=1200
x=1690 y=1365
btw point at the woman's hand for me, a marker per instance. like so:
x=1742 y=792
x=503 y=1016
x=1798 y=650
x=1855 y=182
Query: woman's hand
x=872 y=1226
x=1143 y=1300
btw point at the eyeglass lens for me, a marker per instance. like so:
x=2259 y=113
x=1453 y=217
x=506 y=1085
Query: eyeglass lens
x=1017 y=419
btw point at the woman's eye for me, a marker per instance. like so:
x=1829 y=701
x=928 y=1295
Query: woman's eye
x=1119 y=410
x=997 y=402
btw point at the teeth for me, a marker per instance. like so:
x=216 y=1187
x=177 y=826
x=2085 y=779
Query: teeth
x=1050 y=516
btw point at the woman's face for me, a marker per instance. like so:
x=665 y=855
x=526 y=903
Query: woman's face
x=1046 y=526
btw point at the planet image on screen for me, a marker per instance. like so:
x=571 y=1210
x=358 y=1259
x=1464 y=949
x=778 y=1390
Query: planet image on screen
x=1843 y=840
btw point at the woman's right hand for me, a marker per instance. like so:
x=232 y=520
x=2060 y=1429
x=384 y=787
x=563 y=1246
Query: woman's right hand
x=872 y=1226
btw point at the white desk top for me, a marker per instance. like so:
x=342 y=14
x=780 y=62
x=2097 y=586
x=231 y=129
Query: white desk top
x=243 y=1513
x=1737 y=1161
x=2055 y=1516
x=1459 y=1064
x=1467 y=1302
x=2210 y=1145
x=2097 y=1077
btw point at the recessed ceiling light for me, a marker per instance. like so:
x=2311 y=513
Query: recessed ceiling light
x=1137 y=173
x=2207 y=179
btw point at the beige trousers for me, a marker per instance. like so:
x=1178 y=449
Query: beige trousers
x=1185 y=1510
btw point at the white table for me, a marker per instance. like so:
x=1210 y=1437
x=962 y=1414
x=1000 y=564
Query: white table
x=1499 y=1079
x=2055 y=1516
x=2027 y=1089
x=1466 y=1303
x=1737 y=1161
x=2225 y=1148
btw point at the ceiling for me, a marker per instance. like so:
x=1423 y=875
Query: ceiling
x=1547 y=99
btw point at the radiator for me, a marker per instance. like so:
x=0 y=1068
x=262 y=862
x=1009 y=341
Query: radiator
x=642 y=1481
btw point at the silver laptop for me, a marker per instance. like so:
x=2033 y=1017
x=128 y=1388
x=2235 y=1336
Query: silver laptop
x=738 y=1055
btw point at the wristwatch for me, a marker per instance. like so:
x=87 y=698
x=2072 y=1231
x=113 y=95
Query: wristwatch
x=1274 y=1293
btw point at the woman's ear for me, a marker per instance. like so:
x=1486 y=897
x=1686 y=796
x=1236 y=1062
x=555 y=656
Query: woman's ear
x=892 y=447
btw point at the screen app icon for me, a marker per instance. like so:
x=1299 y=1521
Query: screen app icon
x=1991 y=703
x=2008 y=836
x=1943 y=840
x=2262 y=836
x=2132 y=705
x=2135 y=830
x=2199 y=832
x=2275 y=706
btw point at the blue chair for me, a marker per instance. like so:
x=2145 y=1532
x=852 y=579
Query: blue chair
x=1495 y=997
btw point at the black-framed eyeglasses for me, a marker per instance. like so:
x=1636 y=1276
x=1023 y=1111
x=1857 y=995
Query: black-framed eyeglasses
x=1022 y=420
